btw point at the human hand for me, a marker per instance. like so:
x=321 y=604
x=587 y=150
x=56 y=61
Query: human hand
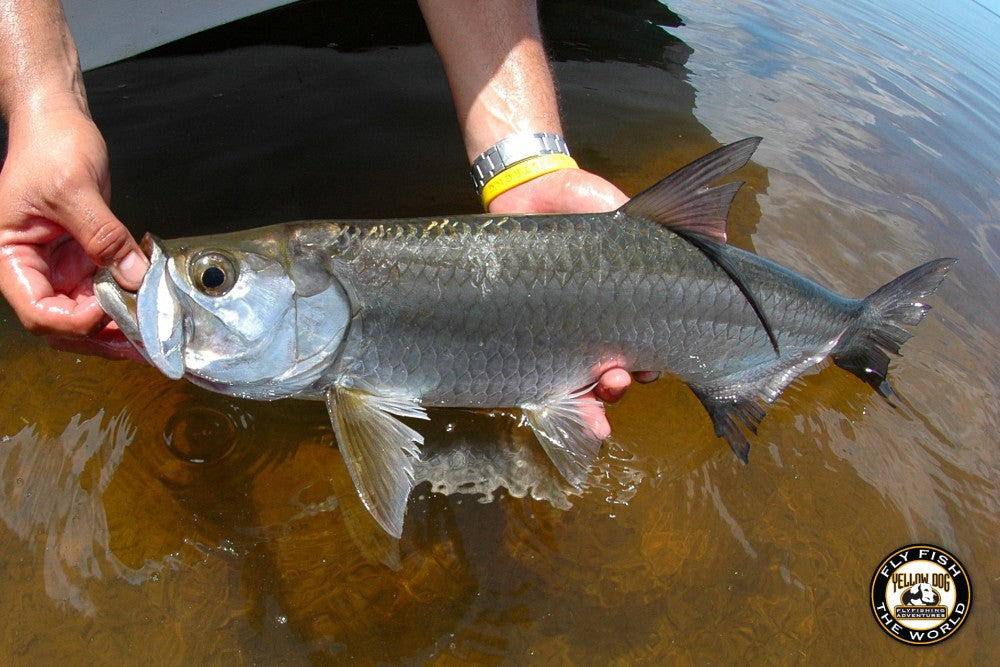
x=562 y=191
x=576 y=191
x=56 y=229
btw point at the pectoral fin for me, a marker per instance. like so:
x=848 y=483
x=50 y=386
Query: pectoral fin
x=368 y=536
x=378 y=449
x=564 y=433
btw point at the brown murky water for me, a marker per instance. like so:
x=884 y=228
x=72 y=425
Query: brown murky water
x=147 y=522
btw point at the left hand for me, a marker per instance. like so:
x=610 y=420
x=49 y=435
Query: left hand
x=575 y=191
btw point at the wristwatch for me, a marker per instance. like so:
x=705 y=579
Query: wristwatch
x=513 y=149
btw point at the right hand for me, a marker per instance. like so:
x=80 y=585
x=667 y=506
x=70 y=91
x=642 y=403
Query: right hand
x=56 y=229
x=576 y=191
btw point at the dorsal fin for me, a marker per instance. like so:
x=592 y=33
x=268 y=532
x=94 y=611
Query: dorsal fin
x=716 y=253
x=683 y=203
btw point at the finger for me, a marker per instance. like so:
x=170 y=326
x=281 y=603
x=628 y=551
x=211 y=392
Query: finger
x=105 y=239
x=38 y=306
x=60 y=315
x=129 y=271
x=612 y=384
x=594 y=417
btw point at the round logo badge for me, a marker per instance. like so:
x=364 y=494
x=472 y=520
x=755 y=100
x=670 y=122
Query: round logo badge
x=921 y=594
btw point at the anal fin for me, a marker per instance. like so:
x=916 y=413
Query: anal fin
x=562 y=429
x=734 y=402
x=728 y=413
x=378 y=449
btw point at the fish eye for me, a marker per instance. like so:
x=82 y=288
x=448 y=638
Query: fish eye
x=212 y=273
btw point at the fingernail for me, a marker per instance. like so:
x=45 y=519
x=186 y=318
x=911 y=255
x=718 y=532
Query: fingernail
x=131 y=269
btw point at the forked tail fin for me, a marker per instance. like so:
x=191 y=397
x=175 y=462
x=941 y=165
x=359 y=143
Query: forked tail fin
x=877 y=330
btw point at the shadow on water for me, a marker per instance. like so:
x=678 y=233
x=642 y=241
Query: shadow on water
x=314 y=131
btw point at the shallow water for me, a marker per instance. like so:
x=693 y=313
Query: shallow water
x=147 y=521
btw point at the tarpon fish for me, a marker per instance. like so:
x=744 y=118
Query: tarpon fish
x=382 y=318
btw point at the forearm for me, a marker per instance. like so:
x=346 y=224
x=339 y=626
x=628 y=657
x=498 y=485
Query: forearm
x=39 y=66
x=498 y=70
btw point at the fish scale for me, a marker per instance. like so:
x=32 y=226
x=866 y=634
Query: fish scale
x=381 y=318
x=528 y=326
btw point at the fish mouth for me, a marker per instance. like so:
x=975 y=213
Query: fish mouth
x=120 y=304
x=149 y=317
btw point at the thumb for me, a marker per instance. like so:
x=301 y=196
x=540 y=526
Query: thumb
x=129 y=271
x=107 y=241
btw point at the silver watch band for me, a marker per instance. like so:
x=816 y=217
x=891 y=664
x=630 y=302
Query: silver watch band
x=513 y=149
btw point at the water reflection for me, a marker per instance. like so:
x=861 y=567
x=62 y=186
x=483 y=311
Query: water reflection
x=48 y=502
x=162 y=477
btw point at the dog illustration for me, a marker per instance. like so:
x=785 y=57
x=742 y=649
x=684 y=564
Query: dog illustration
x=921 y=595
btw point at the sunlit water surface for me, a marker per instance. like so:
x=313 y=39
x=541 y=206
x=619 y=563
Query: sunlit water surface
x=146 y=521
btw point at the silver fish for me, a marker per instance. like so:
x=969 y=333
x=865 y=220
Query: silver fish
x=382 y=318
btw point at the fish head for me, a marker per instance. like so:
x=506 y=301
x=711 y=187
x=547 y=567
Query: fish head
x=232 y=312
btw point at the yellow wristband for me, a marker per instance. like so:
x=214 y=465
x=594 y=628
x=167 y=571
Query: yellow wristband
x=524 y=171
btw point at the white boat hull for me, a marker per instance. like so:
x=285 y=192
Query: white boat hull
x=110 y=30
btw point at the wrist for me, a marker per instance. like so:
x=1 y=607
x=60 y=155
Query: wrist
x=539 y=195
x=37 y=100
x=561 y=191
x=47 y=120
x=517 y=159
